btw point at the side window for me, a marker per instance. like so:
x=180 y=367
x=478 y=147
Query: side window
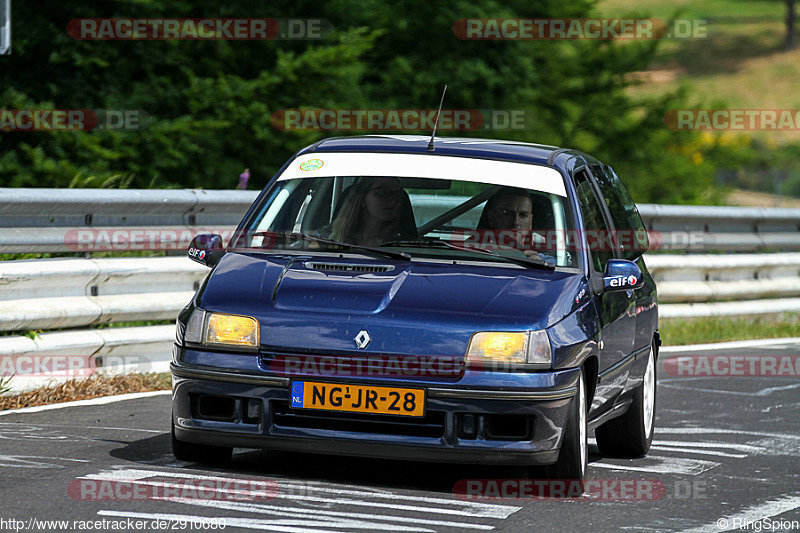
x=631 y=232
x=300 y=206
x=597 y=231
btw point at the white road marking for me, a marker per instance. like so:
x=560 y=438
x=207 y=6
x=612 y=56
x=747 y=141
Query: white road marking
x=780 y=347
x=463 y=510
x=286 y=526
x=664 y=465
x=304 y=512
x=758 y=343
x=81 y=403
x=770 y=390
x=28 y=461
x=768 y=509
x=703 y=431
x=477 y=509
x=17 y=431
x=33 y=427
x=123 y=429
x=18 y=436
x=675 y=384
x=728 y=445
x=304 y=517
x=715 y=453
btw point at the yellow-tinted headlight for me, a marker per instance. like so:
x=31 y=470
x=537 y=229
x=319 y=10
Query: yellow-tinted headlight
x=496 y=349
x=498 y=346
x=232 y=330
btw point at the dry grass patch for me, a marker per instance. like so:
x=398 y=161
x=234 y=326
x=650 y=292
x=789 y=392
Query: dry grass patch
x=96 y=386
x=760 y=199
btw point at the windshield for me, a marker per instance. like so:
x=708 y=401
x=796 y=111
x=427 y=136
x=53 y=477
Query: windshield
x=432 y=217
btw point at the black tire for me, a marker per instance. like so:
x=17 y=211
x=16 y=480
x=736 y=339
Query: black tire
x=574 y=453
x=631 y=434
x=199 y=453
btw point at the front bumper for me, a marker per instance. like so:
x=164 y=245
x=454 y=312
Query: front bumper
x=261 y=417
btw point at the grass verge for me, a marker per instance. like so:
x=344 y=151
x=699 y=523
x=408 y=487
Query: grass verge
x=678 y=331
x=85 y=255
x=95 y=386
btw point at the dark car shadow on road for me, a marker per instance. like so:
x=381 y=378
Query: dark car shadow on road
x=148 y=450
x=382 y=473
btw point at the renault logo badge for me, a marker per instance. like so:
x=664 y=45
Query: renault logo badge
x=362 y=339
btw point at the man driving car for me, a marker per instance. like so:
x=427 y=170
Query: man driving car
x=509 y=208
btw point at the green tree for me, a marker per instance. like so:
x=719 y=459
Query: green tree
x=211 y=102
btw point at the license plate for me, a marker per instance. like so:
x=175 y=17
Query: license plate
x=358 y=398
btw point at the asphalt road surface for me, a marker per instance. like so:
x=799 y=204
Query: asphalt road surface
x=725 y=454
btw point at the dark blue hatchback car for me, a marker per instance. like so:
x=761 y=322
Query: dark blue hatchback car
x=482 y=301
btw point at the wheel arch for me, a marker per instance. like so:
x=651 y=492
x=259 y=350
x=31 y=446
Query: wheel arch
x=590 y=368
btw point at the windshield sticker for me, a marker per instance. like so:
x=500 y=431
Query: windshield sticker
x=312 y=164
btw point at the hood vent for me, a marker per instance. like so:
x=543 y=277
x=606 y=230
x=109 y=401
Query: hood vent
x=347 y=267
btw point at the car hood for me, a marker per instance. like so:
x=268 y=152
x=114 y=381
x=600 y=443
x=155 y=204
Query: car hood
x=307 y=304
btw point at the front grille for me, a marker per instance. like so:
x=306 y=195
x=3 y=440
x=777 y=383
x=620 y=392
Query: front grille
x=347 y=267
x=430 y=425
x=366 y=365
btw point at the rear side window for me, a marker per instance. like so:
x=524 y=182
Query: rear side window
x=631 y=234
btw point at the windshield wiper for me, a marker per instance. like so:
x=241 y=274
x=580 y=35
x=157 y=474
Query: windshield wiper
x=438 y=243
x=401 y=256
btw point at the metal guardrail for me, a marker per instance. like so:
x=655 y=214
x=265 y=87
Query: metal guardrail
x=84 y=220
x=705 y=278
x=67 y=293
x=83 y=292
x=64 y=220
x=75 y=208
x=723 y=228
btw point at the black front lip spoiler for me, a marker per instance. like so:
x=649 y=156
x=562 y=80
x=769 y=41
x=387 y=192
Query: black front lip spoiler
x=483 y=394
x=433 y=392
x=181 y=371
x=375 y=449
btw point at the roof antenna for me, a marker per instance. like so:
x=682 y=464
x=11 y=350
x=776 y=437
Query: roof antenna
x=436 y=123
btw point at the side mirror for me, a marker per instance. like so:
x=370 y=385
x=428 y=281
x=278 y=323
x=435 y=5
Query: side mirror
x=206 y=249
x=622 y=275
